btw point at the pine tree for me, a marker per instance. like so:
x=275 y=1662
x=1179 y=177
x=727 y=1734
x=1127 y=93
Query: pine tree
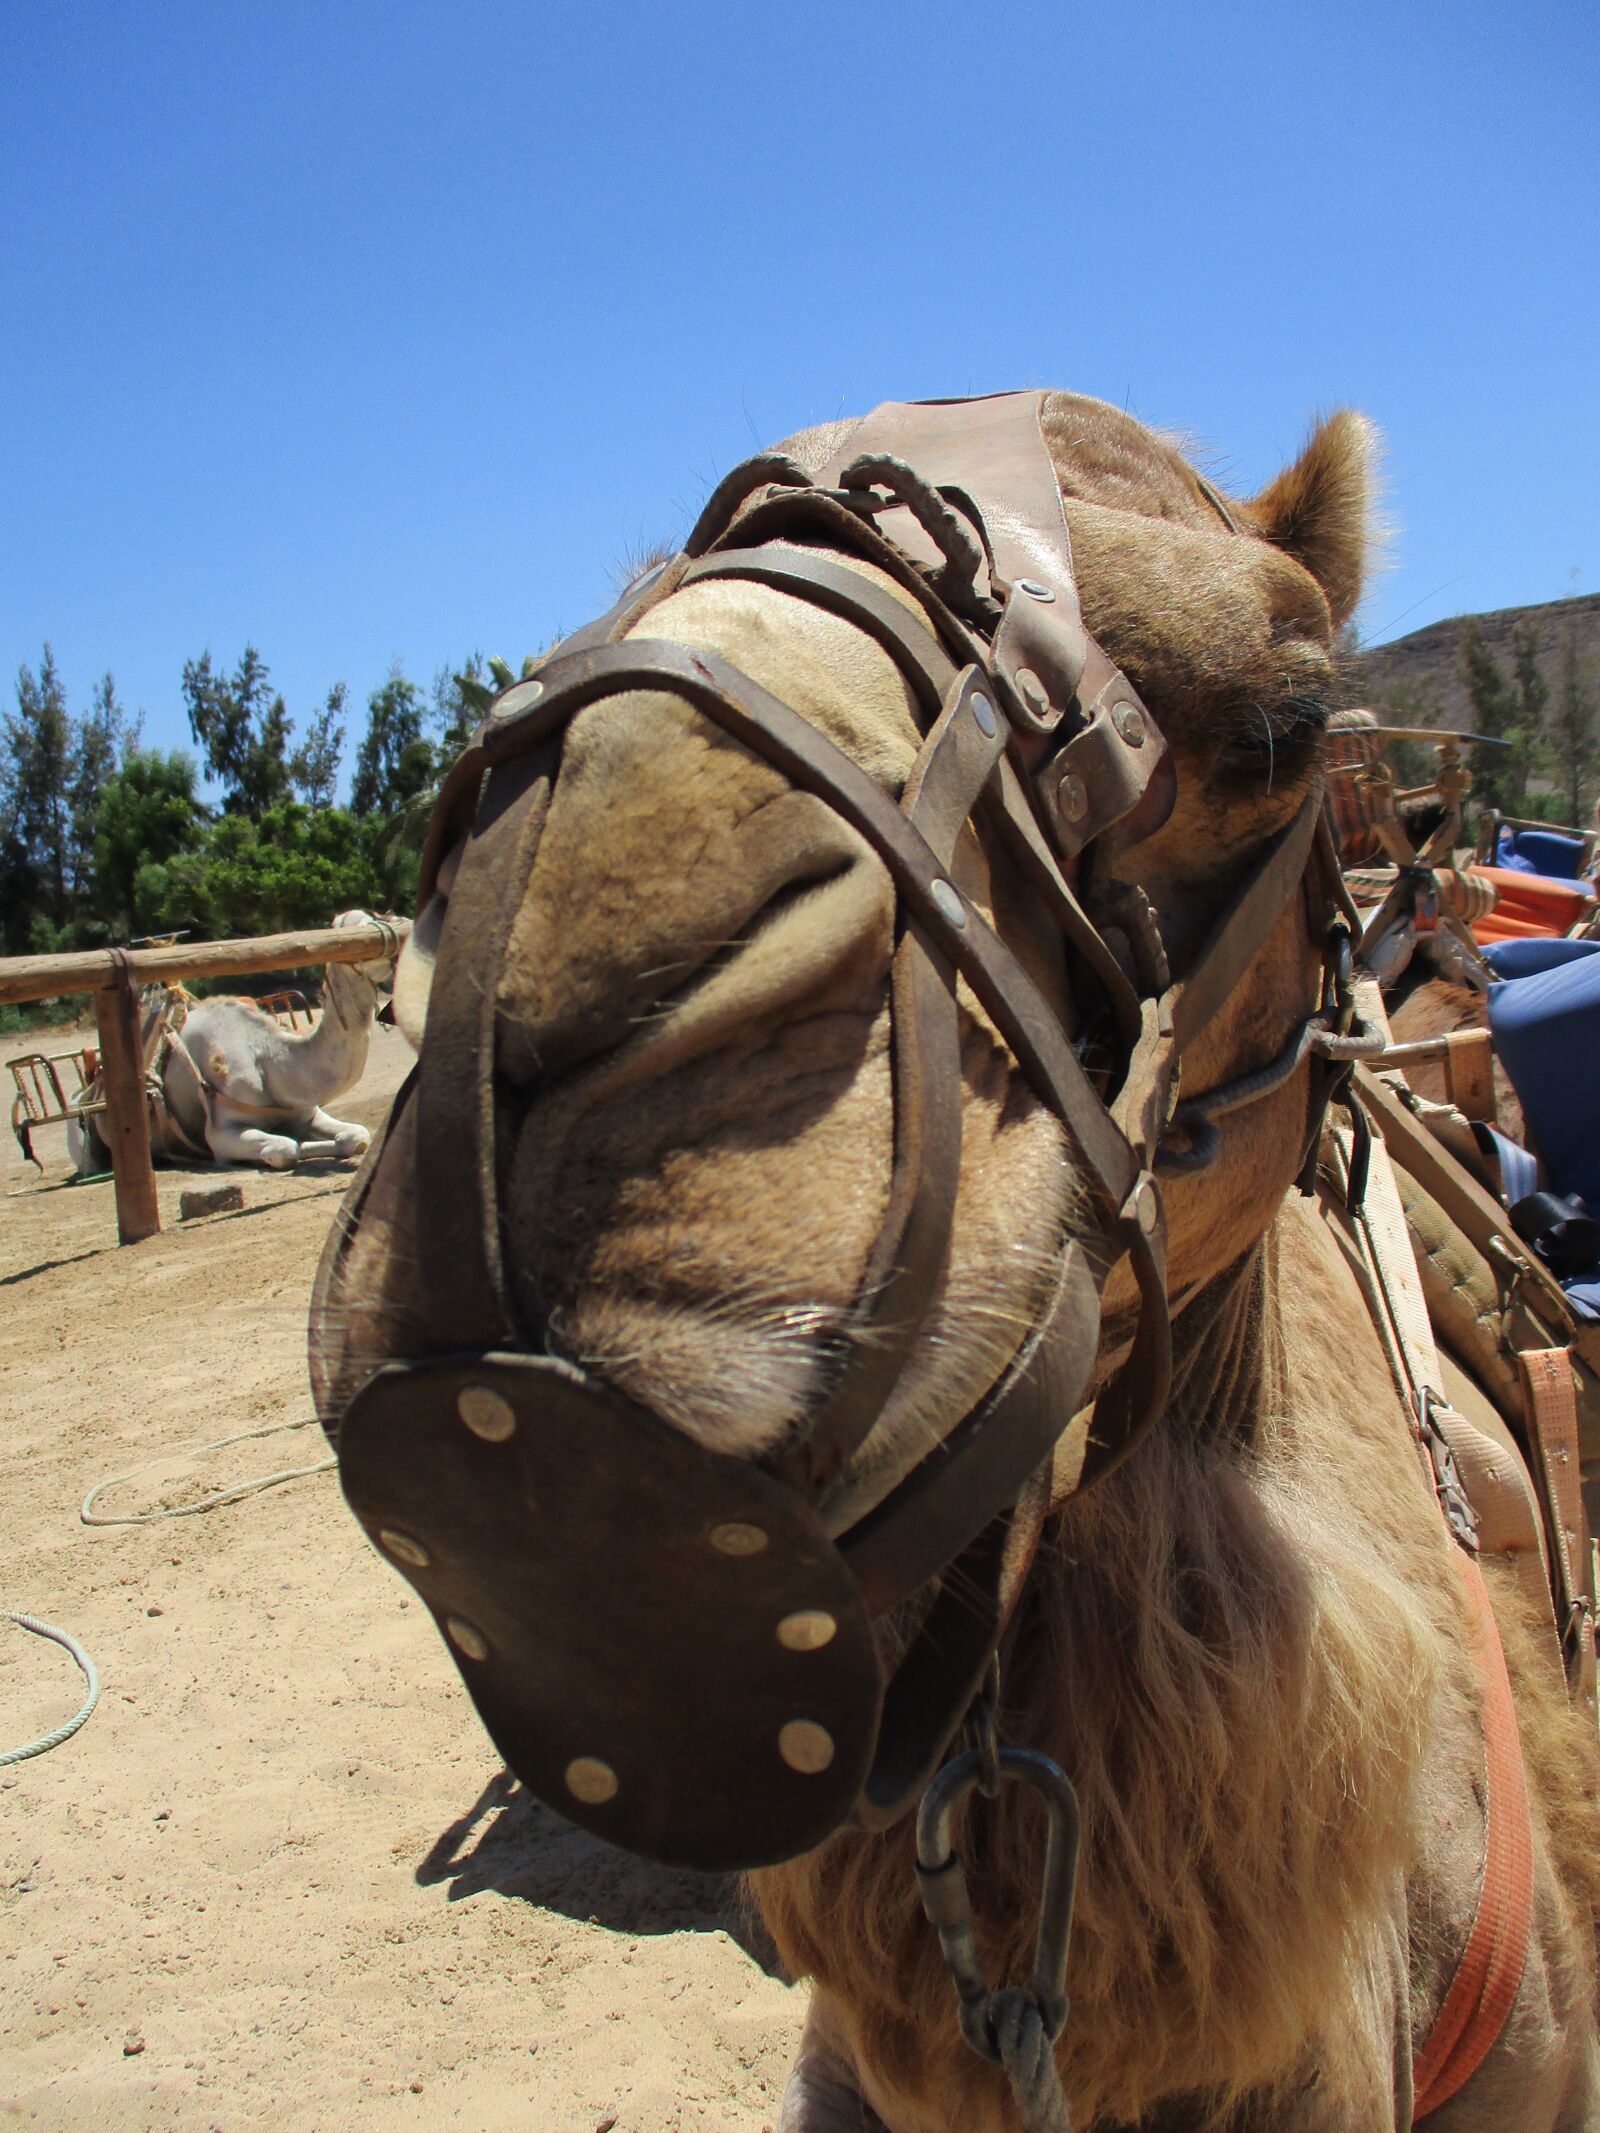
x=36 y=808
x=458 y=699
x=314 y=766
x=395 y=761
x=1499 y=776
x=101 y=739
x=242 y=732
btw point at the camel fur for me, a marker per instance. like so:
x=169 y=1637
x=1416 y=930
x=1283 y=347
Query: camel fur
x=1247 y=1647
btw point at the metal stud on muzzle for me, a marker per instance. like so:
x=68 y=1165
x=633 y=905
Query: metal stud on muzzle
x=663 y=1642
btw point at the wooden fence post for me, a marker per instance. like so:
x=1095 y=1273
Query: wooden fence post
x=125 y=1122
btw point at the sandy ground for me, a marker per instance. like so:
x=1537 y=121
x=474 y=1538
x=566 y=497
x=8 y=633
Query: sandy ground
x=280 y=1876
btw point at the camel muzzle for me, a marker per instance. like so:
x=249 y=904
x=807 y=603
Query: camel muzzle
x=664 y=1642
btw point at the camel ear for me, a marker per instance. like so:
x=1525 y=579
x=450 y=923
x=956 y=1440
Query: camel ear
x=1320 y=510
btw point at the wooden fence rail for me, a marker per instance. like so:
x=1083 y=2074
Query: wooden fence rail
x=47 y=977
x=114 y=975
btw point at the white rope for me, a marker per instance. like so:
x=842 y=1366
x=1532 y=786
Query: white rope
x=231 y=1494
x=87 y=1666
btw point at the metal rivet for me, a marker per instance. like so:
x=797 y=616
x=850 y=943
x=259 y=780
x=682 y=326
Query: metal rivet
x=467 y=1637
x=805 y=1746
x=983 y=712
x=487 y=1413
x=590 y=1780
x=807 y=1630
x=736 y=1538
x=522 y=697
x=1129 y=722
x=403 y=1548
x=948 y=899
x=1033 y=692
x=1072 y=798
x=1034 y=590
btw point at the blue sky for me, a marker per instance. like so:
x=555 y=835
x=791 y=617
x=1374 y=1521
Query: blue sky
x=376 y=332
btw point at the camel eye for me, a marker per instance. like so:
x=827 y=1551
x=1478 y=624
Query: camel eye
x=1268 y=739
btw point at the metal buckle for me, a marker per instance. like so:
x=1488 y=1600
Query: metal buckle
x=1448 y=1484
x=943 y=1887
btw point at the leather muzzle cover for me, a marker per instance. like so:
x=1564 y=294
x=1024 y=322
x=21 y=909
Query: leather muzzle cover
x=679 y=1659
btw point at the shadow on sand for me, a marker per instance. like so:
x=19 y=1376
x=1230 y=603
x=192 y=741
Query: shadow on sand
x=511 y=1843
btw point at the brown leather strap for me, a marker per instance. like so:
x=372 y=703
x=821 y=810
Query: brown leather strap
x=830 y=584
x=1244 y=926
x=909 y=1257
x=811 y=761
x=993 y=449
x=1551 y=1409
x=1469 y=1073
x=926 y=665
x=458 y=1236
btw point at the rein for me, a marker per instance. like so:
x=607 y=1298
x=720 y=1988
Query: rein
x=674 y=1647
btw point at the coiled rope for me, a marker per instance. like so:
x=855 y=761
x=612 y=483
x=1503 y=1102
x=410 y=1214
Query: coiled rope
x=87 y=1666
x=231 y=1494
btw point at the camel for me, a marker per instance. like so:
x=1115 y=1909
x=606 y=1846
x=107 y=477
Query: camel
x=1247 y=1646
x=236 y=1086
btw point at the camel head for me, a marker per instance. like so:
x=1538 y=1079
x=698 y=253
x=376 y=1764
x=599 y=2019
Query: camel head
x=380 y=971
x=693 y=1103
x=692 y=1029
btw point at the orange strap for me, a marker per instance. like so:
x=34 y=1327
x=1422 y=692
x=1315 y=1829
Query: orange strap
x=1485 y=1985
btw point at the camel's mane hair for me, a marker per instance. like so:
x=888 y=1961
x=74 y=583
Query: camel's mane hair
x=1237 y=1674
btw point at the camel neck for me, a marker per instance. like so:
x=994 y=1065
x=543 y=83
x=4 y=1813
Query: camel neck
x=1228 y=1360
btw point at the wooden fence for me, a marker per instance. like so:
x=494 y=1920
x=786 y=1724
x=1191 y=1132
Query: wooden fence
x=114 y=976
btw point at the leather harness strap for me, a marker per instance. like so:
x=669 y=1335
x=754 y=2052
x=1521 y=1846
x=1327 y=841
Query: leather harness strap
x=1551 y=1409
x=1484 y=1987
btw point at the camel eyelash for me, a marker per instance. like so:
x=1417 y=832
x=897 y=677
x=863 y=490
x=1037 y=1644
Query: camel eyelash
x=1267 y=734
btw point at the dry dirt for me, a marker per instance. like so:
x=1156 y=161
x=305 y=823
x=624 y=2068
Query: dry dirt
x=280 y=1877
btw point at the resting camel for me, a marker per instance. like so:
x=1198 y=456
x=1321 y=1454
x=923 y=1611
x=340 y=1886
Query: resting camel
x=1247 y=1646
x=239 y=1087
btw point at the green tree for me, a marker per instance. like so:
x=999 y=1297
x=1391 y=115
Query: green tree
x=1575 y=729
x=36 y=751
x=1499 y=775
x=149 y=813
x=459 y=699
x=395 y=761
x=314 y=766
x=242 y=731
x=102 y=738
x=295 y=867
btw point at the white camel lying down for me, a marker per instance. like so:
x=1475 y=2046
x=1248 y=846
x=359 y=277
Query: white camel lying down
x=237 y=1086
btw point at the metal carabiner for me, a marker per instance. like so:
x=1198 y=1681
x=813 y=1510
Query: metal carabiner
x=943 y=1886
x=1338 y=979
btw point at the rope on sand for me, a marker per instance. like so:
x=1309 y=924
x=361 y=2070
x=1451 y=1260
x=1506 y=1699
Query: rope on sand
x=231 y=1494
x=86 y=1664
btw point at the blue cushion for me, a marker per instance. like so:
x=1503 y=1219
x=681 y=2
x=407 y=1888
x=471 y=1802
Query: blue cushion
x=1547 y=1033
x=1507 y=855
x=1548 y=852
x=1525 y=958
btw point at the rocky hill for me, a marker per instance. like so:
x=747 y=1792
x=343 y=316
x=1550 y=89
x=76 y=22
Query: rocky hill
x=1421 y=674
